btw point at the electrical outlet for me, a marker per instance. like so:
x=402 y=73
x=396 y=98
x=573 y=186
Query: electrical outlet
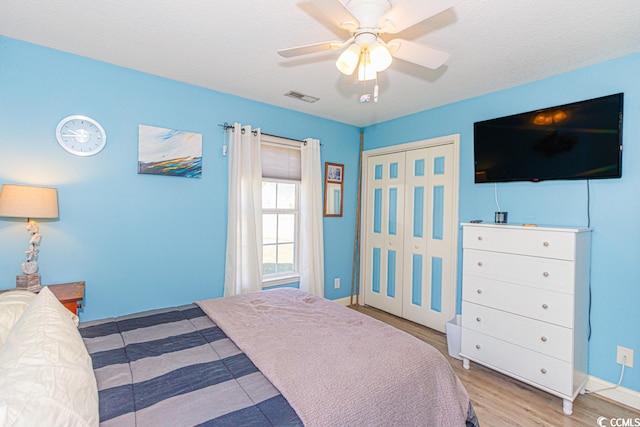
x=336 y=283
x=622 y=352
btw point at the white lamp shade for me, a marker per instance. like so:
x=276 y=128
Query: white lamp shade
x=379 y=56
x=25 y=201
x=348 y=59
x=366 y=73
x=365 y=69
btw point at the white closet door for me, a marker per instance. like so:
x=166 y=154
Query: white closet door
x=383 y=275
x=429 y=282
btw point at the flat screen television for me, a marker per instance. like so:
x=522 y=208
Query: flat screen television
x=582 y=140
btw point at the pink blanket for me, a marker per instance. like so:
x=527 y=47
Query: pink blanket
x=338 y=367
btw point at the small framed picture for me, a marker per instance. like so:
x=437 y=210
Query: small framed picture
x=334 y=172
x=333 y=188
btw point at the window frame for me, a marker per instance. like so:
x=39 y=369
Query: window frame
x=289 y=276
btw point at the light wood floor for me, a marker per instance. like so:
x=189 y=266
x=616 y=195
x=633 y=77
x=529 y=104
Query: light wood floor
x=502 y=401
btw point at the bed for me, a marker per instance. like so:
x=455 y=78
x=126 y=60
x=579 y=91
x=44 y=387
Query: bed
x=281 y=357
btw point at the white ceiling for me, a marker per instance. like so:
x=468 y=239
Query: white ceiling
x=230 y=46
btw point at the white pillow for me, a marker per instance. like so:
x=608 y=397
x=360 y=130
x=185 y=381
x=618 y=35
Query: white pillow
x=46 y=376
x=12 y=305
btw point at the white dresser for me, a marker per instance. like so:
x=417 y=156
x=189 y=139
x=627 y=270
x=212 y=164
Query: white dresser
x=525 y=304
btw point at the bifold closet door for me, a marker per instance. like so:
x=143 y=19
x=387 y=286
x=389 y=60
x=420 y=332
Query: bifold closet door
x=409 y=235
x=384 y=224
x=429 y=293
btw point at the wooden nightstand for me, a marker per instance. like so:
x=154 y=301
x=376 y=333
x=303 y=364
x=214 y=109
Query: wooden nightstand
x=69 y=294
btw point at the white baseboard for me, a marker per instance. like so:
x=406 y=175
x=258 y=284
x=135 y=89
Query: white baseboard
x=343 y=301
x=621 y=395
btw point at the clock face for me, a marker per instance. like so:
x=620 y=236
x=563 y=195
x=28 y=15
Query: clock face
x=81 y=135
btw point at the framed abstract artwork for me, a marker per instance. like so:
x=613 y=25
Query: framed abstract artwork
x=171 y=152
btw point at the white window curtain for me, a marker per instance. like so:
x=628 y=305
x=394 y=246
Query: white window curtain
x=311 y=217
x=243 y=268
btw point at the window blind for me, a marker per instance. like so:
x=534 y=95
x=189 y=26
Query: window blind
x=280 y=161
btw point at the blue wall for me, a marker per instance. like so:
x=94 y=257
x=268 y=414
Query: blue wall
x=615 y=203
x=139 y=241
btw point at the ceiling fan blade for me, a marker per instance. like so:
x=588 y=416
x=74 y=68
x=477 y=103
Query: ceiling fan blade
x=409 y=13
x=335 y=10
x=310 y=48
x=417 y=54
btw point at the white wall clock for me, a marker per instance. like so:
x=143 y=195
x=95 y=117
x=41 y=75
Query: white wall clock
x=81 y=135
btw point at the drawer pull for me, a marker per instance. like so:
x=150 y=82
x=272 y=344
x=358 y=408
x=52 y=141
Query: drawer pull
x=478 y=346
x=543 y=339
x=545 y=306
x=544 y=371
x=545 y=274
x=479 y=237
x=479 y=291
x=479 y=263
x=545 y=244
x=478 y=319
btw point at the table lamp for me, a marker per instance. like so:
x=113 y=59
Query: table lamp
x=25 y=201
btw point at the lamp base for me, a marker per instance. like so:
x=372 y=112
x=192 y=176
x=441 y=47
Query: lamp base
x=28 y=282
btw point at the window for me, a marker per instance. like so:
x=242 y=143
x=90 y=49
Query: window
x=280 y=211
x=279 y=229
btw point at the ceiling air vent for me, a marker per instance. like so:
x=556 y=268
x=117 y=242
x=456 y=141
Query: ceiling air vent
x=301 y=96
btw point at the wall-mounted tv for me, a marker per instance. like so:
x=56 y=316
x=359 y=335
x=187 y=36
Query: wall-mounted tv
x=582 y=140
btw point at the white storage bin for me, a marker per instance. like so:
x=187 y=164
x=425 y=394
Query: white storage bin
x=454 y=329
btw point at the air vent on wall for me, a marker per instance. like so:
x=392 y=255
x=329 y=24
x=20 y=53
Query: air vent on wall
x=301 y=96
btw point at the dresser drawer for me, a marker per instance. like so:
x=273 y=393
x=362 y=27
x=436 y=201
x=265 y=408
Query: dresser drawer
x=544 y=273
x=552 y=340
x=523 y=241
x=540 y=304
x=512 y=359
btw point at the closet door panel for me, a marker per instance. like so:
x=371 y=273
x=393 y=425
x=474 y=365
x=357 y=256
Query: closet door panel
x=384 y=227
x=429 y=300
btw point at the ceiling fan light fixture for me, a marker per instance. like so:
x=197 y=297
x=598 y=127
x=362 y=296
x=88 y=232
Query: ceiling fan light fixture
x=348 y=59
x=366 y=71
x=380 y=57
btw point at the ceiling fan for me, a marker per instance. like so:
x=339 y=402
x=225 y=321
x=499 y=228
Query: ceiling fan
x=367 y=20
